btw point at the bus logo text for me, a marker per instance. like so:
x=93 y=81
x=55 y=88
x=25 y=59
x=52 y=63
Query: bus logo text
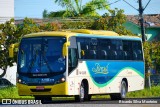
x=98 y=69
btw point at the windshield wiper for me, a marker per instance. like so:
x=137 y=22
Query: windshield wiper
x=45 y=59
x=32 y=62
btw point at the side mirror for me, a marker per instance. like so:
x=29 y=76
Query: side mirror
x=65 y=50
x=12 y=48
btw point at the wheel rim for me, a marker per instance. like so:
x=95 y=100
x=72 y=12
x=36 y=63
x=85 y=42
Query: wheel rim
x=82 y=92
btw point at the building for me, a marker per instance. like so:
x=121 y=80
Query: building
x=151 y=23
x=6 y=10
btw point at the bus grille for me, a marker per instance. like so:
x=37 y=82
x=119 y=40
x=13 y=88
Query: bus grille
x=45 y=90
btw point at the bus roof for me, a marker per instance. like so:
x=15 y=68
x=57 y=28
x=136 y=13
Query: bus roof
x=51 y=33
x=82 y=33
x=95 y=32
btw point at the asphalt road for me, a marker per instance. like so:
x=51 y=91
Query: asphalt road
x=142 y=102
x=109 y=101
x=147 y=102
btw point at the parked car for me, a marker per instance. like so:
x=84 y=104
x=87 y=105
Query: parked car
x=5 y=83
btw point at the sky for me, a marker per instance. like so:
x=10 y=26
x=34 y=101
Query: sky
x=34 y=8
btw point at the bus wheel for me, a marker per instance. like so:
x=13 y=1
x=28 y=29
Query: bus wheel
x=122 y=94
x=81 y=96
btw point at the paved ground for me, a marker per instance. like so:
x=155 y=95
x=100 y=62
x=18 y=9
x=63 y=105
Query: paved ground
x=147 y=102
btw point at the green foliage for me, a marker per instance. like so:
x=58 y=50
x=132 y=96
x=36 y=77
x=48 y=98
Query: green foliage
x=152 y=55
x=10 y=33
x=147 y=56
x=11 y=92
x=74 y=8
x=112 y=21
x=28 y=26
x=146 y=93
x=82 y=24
x=7 y=37
x=55 y=14
x=156 y=55
x=45 y=14
x=53 y=26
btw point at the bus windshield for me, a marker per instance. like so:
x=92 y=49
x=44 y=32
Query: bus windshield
x=41 y=55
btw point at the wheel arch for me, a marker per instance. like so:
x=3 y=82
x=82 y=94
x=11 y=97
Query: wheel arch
x=125 y=79
x=86 y=84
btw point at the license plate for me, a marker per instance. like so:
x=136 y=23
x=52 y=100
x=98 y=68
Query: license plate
x=39 y=87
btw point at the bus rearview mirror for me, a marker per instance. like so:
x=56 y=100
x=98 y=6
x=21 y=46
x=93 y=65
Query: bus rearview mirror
x=12 y=48
x=65 y=50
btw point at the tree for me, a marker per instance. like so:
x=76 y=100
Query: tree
x=152 y=55
x=50 y=26
x=56 y=14
x=9 y=34
x=74 y=8
x=155 y=55
x=7 y=37
x=28 y=26
x=45 y=13
x=112 y=21
x=147 y=55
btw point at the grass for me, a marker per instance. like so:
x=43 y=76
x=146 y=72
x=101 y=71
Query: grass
x=146 y=93
x=12 y=92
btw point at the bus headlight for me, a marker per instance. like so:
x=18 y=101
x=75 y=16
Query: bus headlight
x=62 y=79
x=19 y=80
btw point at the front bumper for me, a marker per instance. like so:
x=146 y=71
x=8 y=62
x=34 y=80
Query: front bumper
x=51 y=90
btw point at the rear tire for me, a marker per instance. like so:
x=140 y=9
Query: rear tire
x=122 y=94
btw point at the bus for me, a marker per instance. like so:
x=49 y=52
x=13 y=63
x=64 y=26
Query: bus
x=79 y=63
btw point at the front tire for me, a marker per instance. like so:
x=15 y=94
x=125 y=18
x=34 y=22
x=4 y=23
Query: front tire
x=80 y=97
x=83 y=93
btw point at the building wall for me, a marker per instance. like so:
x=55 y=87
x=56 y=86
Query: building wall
x=6 y=10
x=155 y=31
x=132 y=27
x=151 y=32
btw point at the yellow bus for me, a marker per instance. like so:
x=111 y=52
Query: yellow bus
x=79 y=63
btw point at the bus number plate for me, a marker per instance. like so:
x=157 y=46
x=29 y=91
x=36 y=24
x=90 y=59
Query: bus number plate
x=39 y=87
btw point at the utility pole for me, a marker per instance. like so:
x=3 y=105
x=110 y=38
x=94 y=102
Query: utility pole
x=141 y=9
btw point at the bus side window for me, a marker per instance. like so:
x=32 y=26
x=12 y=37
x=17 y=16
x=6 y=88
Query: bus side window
x=103 y=54
x=92 y=54
x=120 y=53
x=124 y=55
x=127 y=48
x=139 y=55
x=135 y=57
x=113 y=52
x=83 y=48
x=84 y=51
x=137 y=50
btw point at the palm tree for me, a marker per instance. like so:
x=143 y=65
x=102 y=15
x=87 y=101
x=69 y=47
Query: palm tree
x=75 y=8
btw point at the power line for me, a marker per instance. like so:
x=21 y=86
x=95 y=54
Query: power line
x=130 y=5
x=146 y=5
x=141 y=20
x=114 y=2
